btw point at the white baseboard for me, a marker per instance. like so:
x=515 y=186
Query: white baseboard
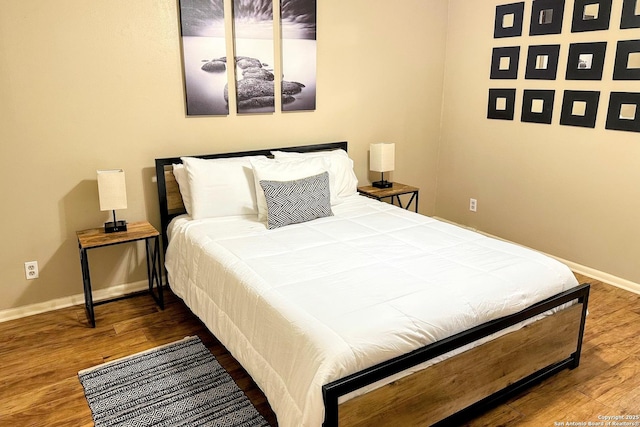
x=578 y=268
x=603 y=277
x=102 y=294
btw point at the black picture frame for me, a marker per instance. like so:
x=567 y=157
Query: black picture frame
x=629 y=18
x=588 y=119
x=621 y=70
x=515 y=9
x=538 y=25
x=545 y=115
x=616 y=102
x=601 y=22
x=511 y=52
x=509 y=97
x=552 y=52
x=578 y=69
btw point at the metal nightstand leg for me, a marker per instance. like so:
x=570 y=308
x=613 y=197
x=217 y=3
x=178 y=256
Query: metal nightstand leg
x=413 y=199
x=86 y=282
x=396 y=199
x=154 y=270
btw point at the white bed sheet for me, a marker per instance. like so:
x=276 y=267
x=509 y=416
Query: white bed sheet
x=303 y=305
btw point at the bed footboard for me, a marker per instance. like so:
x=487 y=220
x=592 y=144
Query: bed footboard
x=469 y=383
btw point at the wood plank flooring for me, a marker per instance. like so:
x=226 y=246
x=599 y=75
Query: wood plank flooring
x=41 y=355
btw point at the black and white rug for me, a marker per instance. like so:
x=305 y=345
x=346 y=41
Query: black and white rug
x=179 y=384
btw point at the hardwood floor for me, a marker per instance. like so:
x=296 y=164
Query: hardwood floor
x=41 y=355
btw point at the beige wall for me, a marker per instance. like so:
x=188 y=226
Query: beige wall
x=568 y=191
x=86 y=85
x=91 y=85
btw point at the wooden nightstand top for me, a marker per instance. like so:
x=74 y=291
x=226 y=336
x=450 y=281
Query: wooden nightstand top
x=96 y=237
x=380 y=193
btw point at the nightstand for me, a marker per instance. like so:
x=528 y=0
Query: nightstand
x=394 y=193
x=97 y=238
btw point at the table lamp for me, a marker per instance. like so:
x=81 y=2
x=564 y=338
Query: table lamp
x=382 y=159
x=112 y=192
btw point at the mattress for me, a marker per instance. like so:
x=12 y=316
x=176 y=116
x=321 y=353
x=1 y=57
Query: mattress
x=303 y=305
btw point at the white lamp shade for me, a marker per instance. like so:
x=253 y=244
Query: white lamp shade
x=382 y=157
x=112 y=190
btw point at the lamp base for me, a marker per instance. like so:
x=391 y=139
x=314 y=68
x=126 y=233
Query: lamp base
x=383 y=184
x=112 y=227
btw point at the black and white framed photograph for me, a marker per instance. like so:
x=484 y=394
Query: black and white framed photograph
x=542 y=62
x=508 y=22
x=204 y=57
x=537 y=106
x=586 y=61
x=502 y=104
x=591 y=15
x=504 y=62
x=579 y=108
x=630 y=14
x=299 y=52
x=624 y=111
x=254 y=56
x=627 y=64
x=546 y=17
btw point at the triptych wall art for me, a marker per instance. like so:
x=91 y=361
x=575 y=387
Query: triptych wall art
x=585 y=61
x=206 y=60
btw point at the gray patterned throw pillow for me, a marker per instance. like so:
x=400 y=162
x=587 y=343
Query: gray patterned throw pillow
x=300 y=200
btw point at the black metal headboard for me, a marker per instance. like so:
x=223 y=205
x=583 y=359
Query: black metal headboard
x=169 y=198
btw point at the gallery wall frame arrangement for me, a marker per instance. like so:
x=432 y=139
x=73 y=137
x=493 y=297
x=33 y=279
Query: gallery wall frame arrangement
x=546 y=17
x=624 y=111
x=627 y=63
x=508 y=22
x=252 y=61
x=537 y=106
x=542 y=62
x=504 y=62
x=579 y=108
x=585 y=61
x=591 y=15
x=502 y=104
x=630 y=17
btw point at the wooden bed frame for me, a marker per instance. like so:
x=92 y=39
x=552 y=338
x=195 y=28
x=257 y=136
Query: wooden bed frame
x=453 y=390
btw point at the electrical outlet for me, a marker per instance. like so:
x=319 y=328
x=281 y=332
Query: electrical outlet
x=473 y=205
x=31 y=270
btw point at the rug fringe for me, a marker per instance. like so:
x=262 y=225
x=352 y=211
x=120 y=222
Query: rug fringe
x=93 y=368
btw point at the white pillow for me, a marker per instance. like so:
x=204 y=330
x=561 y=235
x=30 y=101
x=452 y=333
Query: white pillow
x=221 y=187
x=180 y=174
x=342 y=178
x=285 y=170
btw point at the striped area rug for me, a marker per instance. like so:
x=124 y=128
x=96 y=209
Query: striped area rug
x=179 y=384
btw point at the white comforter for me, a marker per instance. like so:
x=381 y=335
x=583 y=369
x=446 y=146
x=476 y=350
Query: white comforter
x=306 y=304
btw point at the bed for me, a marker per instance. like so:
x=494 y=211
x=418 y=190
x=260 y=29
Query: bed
x=367 y=314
